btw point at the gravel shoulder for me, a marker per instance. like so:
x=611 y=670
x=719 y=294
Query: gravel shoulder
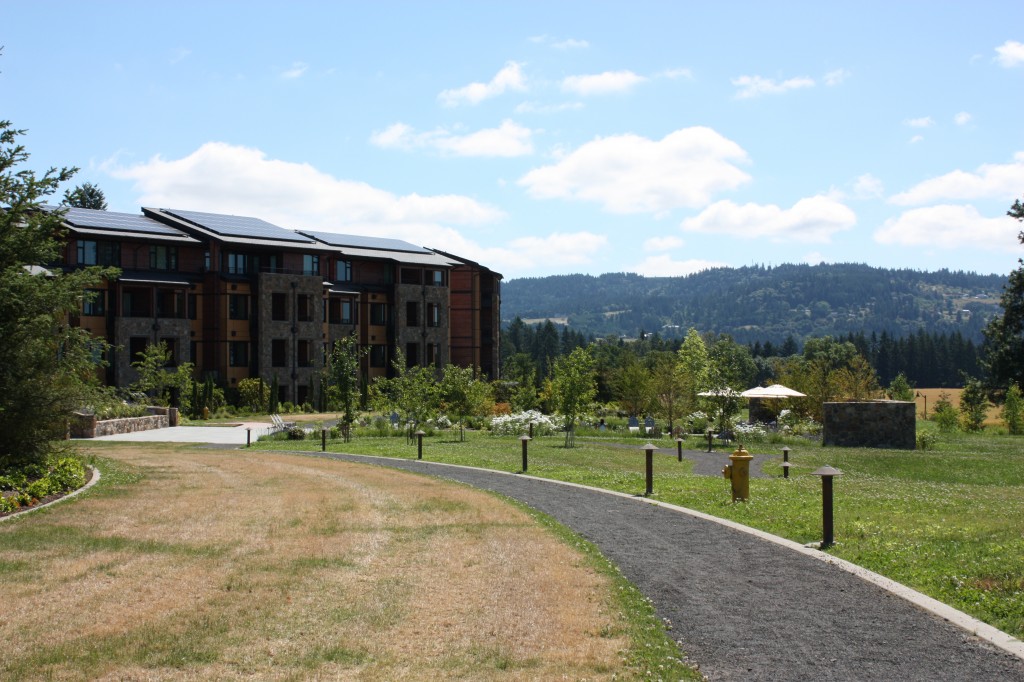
x=743 y=608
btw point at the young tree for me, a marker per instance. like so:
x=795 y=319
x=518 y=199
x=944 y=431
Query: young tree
x=412 y=393
x=572 y=388
x=165 y=384
x=945 y=414
x=633 y=387
x=1013 y=411
x=1004 y=335
x=694 y=370
x=973 y=405
x=47 y=367
x=341 y=375
x=900 y=388
x=668 y=385
x=86 y=195
x=464 y=395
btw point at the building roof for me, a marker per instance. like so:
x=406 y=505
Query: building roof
x=233 y=229
x=112 y=225
x=358 y=246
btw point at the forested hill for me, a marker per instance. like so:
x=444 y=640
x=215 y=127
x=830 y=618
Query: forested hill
x=761 y=303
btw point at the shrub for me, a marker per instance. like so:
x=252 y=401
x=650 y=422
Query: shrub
x=519 y=423
x=1013 y=411
x=67 y=474
x=38 y=489
x=296 y=433
x=750 y=433
x=7 y=504
x=926 y=440
x=945 y=415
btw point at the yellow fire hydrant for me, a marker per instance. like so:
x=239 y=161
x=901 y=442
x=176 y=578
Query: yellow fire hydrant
x=738 y=472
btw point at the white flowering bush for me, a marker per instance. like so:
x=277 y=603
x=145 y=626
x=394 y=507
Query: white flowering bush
x=750 y=433
x=443 y=422
x=792 y=424
x=519 y=423
x=697 y=421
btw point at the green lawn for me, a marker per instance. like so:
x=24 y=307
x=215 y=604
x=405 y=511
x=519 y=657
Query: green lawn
x=946 y=521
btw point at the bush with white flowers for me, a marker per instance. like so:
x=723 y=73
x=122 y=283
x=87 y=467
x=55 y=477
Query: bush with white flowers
x=519 y=423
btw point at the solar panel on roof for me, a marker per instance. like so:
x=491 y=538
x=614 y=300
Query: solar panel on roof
x=238 y=226
x=121 y=222
x=361 y=242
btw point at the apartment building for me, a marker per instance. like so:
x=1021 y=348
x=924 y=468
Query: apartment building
x=241 y=297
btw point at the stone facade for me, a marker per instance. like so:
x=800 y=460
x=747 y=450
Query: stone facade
x=874 y=424
x=87 y=426
x=154 y=330
x=301 y=333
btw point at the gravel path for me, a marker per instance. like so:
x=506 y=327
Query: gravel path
x=744 y=608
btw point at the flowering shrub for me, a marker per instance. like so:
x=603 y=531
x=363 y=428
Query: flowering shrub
x=792 y=424
x=750 y=433
x=697 y=422
x=519 y=423
x=443 y=422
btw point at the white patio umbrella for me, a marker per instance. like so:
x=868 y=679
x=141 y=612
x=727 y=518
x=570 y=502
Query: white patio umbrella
x=773 y=391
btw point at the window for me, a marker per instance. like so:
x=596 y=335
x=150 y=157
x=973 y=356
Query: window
x=206 y=261
x=437 y=278
x=272 y=263
x=305 y=312
x=412 y=354
x=310 y=264
x=94 y=304
x=412 y=314
x=431 y=354
x=238 y=306
x=136 y=346
x=279 y=353
x=378 y=313
x=279 y=306
x=412 y=276
x=238 y=353
x=340 y=311
x=305 y=352
x=136 y=302
x=92 y=252
x=378 y=355
x=237 y=263
x=343 y=271
x=170 y=303
x=302 y=394
x=163 y=257
x=433 y=315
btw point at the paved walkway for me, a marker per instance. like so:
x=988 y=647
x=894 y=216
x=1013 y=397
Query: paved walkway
x=221 y=435
x=742 y=607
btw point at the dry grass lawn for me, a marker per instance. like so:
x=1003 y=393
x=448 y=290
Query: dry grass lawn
x=931 y=396
x=219 y=564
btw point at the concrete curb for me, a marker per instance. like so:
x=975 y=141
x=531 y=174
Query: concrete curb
x=28 y=510
x=984 y=631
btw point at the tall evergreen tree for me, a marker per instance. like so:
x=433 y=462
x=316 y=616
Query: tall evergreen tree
x=86 y=195
x=1004 y=336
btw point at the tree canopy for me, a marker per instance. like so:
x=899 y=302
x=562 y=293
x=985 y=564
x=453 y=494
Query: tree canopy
x=1004 y=336
x=47 y=367
x=86 y=195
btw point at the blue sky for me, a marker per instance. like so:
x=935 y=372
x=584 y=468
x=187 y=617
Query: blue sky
x=549 y=138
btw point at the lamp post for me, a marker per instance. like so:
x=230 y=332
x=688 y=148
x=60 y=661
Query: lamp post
x=827 y=473
x=649 y=450
x=679 y=449
x=925 y=396
x=524 y=439
x=419 y=443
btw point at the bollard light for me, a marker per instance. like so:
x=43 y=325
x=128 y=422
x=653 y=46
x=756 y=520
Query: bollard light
x=710 y=435
x=419 y=443
x=827 y=473
x=248 y=437
x=649 y=450
x=323 y=440
x=524 y=439
x=785 y=454
x=679 y=449
x=785 y=469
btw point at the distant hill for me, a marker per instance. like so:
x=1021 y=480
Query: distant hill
x=762 y=303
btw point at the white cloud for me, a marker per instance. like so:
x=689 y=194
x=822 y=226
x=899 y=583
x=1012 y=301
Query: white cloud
x=1010 y=54
x=180 y=54
x=633 y=174
x=673 y=74
x=225 y=178
x=296 y=71
x=570 y=44
x=990 y=180
x=962 y=119
x=538 y=108
x=664 y=266
x=948 y=227
x=663 y=243
x=508 y=140
x=915 y=139
x=602 y=83
x=509 y=78
x=755 y=86
x=923 y=122
x=814 y=219
x=868 y=186
x=833 y=78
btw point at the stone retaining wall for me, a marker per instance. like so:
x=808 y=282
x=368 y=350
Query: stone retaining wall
x=87 y=426
x=873 y=424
